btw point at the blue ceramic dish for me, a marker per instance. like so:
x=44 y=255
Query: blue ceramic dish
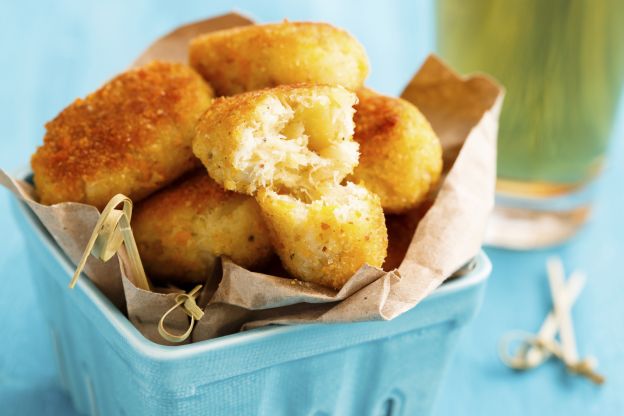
x=369 y=368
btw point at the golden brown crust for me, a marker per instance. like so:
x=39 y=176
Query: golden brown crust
x=132 y=136
x=183 y=229
x=259 y=56
x=400 y=155
x=328 y=240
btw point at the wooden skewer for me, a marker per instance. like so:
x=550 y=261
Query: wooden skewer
x=111 y=230
x=189 y=307
x=562 y=309
x=548 y=330
x=583 y=367
x=536 y=349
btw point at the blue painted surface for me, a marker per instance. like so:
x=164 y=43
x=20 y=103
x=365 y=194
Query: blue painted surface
x=53 y=52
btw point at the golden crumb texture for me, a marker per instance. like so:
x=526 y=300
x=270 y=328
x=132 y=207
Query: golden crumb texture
x=182 y=230
x=131 y=136
x=400 y=154
x=327 y=240
x=258 y=56
x=291 y=137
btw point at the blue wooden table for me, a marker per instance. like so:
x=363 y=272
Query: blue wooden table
x=54 y=52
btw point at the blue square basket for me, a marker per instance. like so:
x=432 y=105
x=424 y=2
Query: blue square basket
x=369 y=368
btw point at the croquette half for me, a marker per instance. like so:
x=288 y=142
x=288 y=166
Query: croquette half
x=182 y=230
x=400 y=155
x=289 y=138
x=260 y=56
x=131 y=136
x=327 y=240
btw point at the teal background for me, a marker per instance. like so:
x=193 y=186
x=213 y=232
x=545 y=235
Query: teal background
x=53 y=52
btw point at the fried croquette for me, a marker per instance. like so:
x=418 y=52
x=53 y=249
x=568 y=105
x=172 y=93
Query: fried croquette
x=260 y=56
x=400 y=155
x=327 y=240
x=182 y=230
x=288 y=138
x=131 y=136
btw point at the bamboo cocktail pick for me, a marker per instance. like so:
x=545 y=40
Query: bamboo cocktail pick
x=530 y=356
x=111 y=231
x=187 y=302
x=535 y=349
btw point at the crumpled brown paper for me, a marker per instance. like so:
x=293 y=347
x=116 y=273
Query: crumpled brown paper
x=464 y=113
x=145 y=308
x=69 y=225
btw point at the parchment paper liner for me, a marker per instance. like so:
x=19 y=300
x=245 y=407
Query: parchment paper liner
x=464 y=113
x=145 y=308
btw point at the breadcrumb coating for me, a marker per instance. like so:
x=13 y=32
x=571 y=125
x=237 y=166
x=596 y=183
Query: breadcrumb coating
x=327 y=240
x=182 y=230
x=400 y=155
x=253 y=57
x=131 y=136
x=292 y=138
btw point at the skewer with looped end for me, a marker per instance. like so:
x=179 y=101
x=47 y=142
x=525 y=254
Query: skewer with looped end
x=535 y=349
x=546 y=348
x=111 y=231
x=187 y=302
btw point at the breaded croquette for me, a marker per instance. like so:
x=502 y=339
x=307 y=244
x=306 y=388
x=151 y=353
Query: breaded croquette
x=131 y=136
x=260 y=56
x=290 y=138
x=401 y=156
x=183 y=229
x=327 y=240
